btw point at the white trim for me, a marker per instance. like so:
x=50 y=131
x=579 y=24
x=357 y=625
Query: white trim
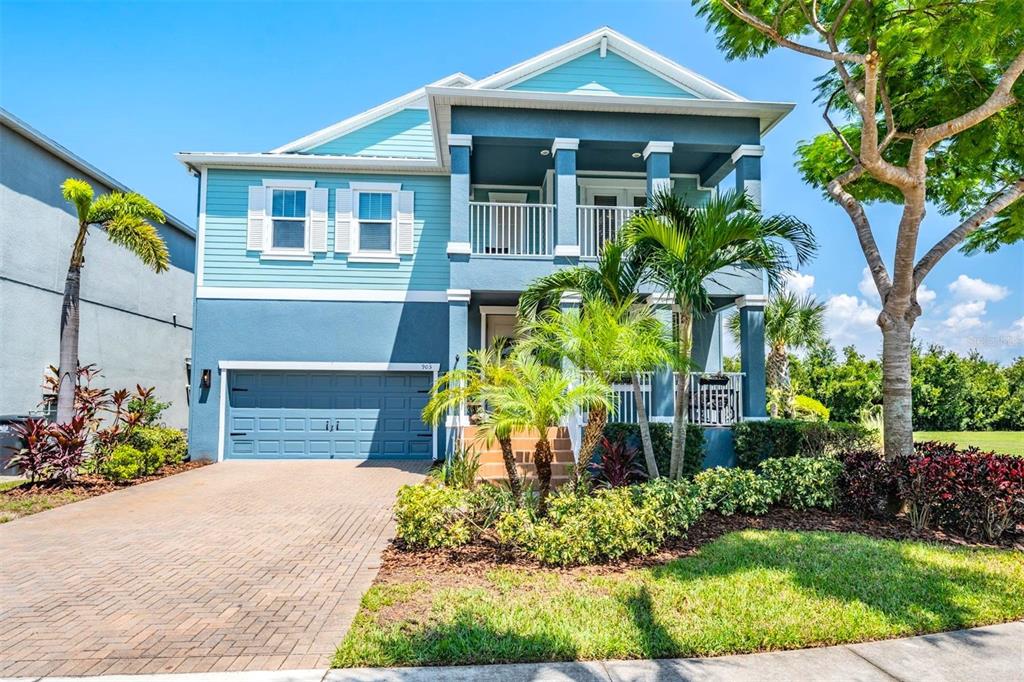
x=375 y=186
x=570 y=143
x=456 y=420
x=527 y=188
x=356 y=255
x=660 y=419
x=567 y=251
x=507 y=197
x=459 y=248
x=458 y=295
x=299 y=294
x=200 y=160
x=638 y=174
x=747 y=150
x=222 y=420
x=624 y=189
x=758 y=300
x=603 y=50
x=662 y=298
x=571 y=298
x=406 y=101
x=486 y=310
x=366 y=258
x=275 y=183
x=658 y=147
x=201 y=237
x=275 y=255
x=328 y=366
x=460 y=140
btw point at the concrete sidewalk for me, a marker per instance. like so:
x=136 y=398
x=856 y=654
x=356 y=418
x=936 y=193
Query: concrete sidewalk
x=990 y=653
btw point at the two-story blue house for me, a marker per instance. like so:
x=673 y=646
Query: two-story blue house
x=338 y=274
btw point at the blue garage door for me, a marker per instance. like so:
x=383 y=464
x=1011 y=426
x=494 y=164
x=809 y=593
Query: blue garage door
x=327 y=415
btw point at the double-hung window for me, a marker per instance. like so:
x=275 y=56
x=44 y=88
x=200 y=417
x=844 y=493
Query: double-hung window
x=373 y=222
x=376 y=223
x=288 y=221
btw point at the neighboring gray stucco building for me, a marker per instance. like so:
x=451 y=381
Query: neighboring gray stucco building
x=136 y=324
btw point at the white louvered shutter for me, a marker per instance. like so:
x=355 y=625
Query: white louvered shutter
x=257 y=218
x=318 y=220
x=405 y=222
x=343 y=221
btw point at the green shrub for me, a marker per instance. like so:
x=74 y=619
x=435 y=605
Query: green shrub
x=803 y=482
x=459 y=470
x=123 y=464
x=809 y=409
x=754 y=441
x=661 y=439
x=432 y=516
x=728 y=491
x=607 y=525
x=171 y=442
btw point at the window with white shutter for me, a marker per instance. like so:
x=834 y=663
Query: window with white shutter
x=287 y=219
x=377 y=224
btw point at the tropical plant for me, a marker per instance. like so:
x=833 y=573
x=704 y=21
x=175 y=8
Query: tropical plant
x=928 y=96
x=461 y=386
x=791 y=322
x=617 y=466
x=125 y=219
x=536 y=396
x=608 y=341
x=459 y=470
x=687 y=247
x=614 y=279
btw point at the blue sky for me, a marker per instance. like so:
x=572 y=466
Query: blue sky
x=126 y=85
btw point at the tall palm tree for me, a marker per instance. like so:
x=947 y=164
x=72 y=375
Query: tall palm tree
x=685 y=247
x=791 y=322
x=124 y=217
x=605 y=340
x=614 y=279
x=537 y=397
x=485 y=368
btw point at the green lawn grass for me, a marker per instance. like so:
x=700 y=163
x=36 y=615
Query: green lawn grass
x=15 y=507
x=748 y=591
x=1008 y=442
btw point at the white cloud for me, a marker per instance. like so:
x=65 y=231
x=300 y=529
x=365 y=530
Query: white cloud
x=965 y=316
x=852 y=320
x=797 y=282
x=970 y=289
x=925 y=296
x=866 y=286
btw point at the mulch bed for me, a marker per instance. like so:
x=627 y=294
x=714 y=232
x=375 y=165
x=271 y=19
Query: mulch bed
x=399 y=562
x=91 y=485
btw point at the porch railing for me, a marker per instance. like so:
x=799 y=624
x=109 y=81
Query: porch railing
x=623 y=403
x=716 y=399
x=598 y=225
x=503 y=229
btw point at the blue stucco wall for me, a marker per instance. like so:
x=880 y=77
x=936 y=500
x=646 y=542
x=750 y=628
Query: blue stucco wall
x=312 y=331
x=404 y=134
x=594 y=75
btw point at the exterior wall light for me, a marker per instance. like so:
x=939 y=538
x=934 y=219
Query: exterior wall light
x=545 y=152
x=636 y=155
x=206 y=378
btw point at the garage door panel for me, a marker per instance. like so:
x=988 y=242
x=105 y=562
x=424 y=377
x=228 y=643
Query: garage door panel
x=327 y=415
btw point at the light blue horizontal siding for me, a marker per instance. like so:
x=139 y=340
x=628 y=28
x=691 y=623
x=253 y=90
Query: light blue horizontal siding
x=226 y=262
x=405 y=134
x=613 y=75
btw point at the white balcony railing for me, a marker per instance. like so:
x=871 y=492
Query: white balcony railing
x=623 y=402
x=598 y=225
x=501 y=229
x=716 y=399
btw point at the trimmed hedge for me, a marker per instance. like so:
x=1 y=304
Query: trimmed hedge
x=661 y=439
x=754 y=441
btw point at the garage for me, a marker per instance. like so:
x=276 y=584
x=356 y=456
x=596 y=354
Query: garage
x=327 y=415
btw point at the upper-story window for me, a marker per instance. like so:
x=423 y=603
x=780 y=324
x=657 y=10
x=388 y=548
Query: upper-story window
x=376 y=223
x=287 y=219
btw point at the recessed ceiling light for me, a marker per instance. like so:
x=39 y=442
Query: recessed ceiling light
x=637 y=155
x=545 y=152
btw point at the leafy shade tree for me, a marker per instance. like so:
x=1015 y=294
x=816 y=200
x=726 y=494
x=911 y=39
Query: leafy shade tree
x=615 y=279
x=686 y=247
x=926 y=100
x=124 y=217
x=850 y=389
x=606 y=341
x=485 y=369
x=791 y=322
x=536 y=397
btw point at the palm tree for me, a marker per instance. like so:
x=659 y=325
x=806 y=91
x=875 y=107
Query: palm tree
x=124 y=217
x=606 y=341
x=685 y=246
x=614 y=279
x=536 y=397
x=485 y=368
x=791 y=322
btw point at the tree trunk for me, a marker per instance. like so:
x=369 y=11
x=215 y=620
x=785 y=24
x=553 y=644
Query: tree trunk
x=514 y=482
x=592 y=432
x=645 y=429
x=542 y=460
x=67 y=372
x=897 y=409
x=774 y=370
x=682 y=407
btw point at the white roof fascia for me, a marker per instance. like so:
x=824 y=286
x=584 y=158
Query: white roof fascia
x=195 y=160
x=365 y=118
x=635 y=52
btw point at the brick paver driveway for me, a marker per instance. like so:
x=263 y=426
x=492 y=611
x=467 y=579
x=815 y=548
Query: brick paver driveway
x=241 y=565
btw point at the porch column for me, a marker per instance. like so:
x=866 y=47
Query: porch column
x=751 y=309
x=658 y=156
x=663 y=381
x=459 y=146
x=567 y=240
x=747 y=160
x=458 y=346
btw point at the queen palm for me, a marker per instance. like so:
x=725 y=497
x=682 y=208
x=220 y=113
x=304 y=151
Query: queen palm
x=791 y=322
x=614 y=279
x=124 y=217
x=607 y=341
x=686 y=247
x=485 y=368
x=535 y=397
